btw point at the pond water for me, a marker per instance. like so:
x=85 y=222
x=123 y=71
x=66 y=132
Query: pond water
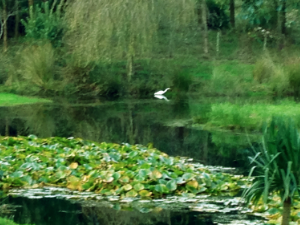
x=167 y=125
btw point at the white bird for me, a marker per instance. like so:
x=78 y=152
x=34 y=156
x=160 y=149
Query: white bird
x=161 y=92
x=161 y=97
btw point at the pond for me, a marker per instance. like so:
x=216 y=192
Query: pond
x=166 y=125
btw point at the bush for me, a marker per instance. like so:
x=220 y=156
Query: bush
x=293 y=71
x=34 y=68
x=230 y=79
x=266 y=71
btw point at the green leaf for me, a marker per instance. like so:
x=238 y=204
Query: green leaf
x=138 y=187
x=161 y=188
x=127 y=187
x=171 y=185
x=145 y=193
x=124 y=179
x=188 y=176
x=131 y=194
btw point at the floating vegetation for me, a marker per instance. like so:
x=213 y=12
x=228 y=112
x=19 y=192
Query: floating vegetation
x=106 y=169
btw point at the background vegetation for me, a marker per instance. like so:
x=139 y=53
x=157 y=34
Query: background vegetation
x=99 y=48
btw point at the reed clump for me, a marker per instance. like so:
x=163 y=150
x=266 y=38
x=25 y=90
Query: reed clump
x=293 y=71
x=272 y=74
x=34 y=66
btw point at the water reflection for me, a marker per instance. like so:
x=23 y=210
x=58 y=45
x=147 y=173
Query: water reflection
x=49 y=211
x=164 y=124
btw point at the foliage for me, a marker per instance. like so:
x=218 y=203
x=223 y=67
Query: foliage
x=276 y=164
x=293 y=71
x=44 y=23
x=112 y=32
x=267 y=71
x=108 y=169
x=217 y=16
x=35 y=65
x=273 y=208
x=230 y=78
x=259 y=13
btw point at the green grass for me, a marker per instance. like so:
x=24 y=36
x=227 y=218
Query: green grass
x=249 y=116
x=4 y=221
x=12 y=99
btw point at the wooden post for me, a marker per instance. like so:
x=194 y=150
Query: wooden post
x=204 y=26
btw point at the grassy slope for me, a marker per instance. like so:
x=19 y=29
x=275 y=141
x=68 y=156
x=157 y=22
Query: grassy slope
x=250 y=116
x=12 y=99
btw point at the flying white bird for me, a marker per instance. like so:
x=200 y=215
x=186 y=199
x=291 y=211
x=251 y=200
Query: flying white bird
x=161 y=92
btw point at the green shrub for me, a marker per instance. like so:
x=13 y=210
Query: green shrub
x=230 y=79
x=293 y=71
x=34 y=69
x=272 y=74
x=264 y=69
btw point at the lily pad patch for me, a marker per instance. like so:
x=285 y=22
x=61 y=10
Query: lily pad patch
x=105 y=168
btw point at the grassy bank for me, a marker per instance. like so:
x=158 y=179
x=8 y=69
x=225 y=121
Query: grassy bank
x=4 y=221
x=251 y=117
x=7 y=99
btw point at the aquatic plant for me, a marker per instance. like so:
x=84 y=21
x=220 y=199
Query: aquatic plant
x=105 y=168
x=277 y=165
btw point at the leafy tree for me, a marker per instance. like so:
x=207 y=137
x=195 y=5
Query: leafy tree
x=111 y=31
x=277 y=165
x=44 y=23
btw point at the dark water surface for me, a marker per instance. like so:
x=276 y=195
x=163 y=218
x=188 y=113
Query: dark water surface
x=164 y=124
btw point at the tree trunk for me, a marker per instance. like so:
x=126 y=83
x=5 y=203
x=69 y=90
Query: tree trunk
x=130 y=59
x=283 y=17
x=232 y=13
x=30 y=8
x=286 y=211
x=6 y=127
x=281 y=24
x=204 y=26
x=17 y=19
x=4 y=26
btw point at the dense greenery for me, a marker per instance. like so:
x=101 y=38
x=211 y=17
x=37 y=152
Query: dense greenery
x=48 y=52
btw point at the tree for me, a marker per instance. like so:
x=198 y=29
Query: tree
x=5 y=13
x=232 y=13
x=17 y=19
x=111 y=31
x=277 y=165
